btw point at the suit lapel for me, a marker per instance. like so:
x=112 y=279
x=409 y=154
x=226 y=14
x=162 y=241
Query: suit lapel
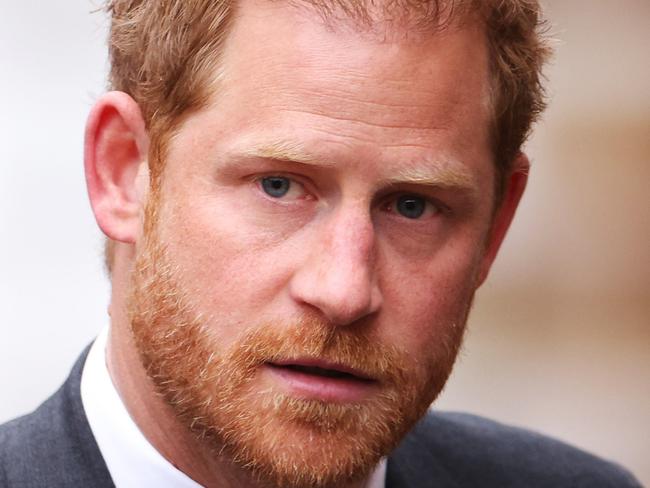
x=79 y=448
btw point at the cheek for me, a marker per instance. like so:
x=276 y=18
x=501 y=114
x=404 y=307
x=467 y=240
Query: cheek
x=231 y=268
x=427 y=303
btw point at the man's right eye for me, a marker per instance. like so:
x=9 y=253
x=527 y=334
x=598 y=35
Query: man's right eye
x=283 y=188
x=276 y=186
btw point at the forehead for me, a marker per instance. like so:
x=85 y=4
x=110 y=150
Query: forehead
x=281 y=41
x=351 y=94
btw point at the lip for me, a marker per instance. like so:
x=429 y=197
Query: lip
x=354 y=387
x=322 y=364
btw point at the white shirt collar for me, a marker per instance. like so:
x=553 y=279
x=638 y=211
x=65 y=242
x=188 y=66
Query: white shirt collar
x=131 y=460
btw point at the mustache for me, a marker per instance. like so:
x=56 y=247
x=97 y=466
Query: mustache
x=312 y=337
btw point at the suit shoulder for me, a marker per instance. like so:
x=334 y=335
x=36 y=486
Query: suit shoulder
x=31 y=429
x=480 y=452
x=54 y=445
x=30 y=439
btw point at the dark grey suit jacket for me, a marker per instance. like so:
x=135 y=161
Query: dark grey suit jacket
x=54 y=447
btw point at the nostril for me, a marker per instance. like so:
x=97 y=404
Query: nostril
x=348 y=304
x=341 y=303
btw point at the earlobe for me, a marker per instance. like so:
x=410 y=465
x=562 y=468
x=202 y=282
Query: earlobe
x=515 y=186
x=116 y=145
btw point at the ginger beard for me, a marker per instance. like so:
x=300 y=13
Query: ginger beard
x=280 y=439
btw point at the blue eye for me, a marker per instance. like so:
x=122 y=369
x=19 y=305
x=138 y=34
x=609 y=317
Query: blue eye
x=411 y=206
x=276 y=186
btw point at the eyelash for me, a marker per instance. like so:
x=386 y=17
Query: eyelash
x=387 y=202
x=259 y=182
x=433 y=206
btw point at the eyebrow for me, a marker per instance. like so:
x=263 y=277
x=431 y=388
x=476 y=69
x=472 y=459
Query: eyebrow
x=441 y=172
x=283 y=151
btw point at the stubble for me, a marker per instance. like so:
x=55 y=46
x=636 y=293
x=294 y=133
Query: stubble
x=280 y=439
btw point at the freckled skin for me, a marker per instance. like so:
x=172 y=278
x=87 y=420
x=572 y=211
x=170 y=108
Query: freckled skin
x=335 y=247
x=367 y=108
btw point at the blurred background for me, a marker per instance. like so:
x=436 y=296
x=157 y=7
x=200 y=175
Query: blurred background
x=559 y=339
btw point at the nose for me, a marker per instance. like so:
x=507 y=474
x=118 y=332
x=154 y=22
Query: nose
x=338 y=276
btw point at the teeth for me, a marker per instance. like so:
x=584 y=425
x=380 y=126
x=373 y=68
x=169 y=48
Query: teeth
x=329 y=373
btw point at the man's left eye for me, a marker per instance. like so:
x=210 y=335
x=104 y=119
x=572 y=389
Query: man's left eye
x=412 y=207
x=281 y=187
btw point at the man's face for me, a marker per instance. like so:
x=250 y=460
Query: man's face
x=315 y=244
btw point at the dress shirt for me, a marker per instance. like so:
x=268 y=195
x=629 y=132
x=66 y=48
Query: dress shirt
x=131 y=460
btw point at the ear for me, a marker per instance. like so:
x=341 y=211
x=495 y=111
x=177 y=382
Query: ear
x=515 y=186
x=115 y=155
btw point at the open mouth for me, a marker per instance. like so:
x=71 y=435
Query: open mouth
x=321 y=372
x=326 y=373
x=322 y=380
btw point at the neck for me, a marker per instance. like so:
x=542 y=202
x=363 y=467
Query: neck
x=153 y=416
